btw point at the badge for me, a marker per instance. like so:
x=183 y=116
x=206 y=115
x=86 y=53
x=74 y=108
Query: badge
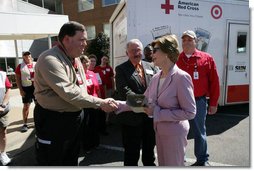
x=195 y=75
x=80 y=82
x=99 y=78
x=31 y=69
x=149 y=71
x=89 y=82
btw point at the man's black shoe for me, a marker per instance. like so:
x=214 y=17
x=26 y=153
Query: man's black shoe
x=201 y=164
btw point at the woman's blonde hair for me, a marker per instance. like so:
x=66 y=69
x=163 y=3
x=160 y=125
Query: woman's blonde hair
x=83 y=58
x=169 y=45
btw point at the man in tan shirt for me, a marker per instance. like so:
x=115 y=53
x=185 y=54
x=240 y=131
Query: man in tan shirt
x=61 y=93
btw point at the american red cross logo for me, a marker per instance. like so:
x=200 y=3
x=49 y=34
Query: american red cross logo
x=167 y=6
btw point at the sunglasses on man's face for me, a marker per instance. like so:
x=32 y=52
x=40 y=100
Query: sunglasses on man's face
x=155 y=49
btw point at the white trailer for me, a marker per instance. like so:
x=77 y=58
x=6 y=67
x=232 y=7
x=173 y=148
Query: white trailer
x=222 y=28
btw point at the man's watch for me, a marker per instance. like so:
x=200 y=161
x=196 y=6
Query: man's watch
x=3 y=106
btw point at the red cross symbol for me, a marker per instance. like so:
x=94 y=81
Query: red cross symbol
x=167 y=6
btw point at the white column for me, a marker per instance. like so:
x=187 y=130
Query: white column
x=49 y=41
x=5 y=60
x=17 y=54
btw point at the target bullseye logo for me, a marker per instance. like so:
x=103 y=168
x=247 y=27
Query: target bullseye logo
x=216 y=11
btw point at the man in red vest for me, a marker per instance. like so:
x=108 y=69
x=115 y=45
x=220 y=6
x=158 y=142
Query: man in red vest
x=25 y=78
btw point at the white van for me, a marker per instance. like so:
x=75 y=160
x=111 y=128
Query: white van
x=222 y=28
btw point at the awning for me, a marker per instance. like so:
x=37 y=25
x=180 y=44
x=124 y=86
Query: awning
x=29 y=26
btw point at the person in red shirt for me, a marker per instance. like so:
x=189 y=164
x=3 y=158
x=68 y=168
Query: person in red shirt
x=92 y=84
x=5 y=87
x=108 y=77
x=99 y=74
x=201 y=67
x=24 y=78
x=101 y=80
x=91 y=135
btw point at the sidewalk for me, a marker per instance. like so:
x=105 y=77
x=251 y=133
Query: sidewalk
x=17 y=142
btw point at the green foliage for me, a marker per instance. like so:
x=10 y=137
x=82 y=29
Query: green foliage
x=99 y=46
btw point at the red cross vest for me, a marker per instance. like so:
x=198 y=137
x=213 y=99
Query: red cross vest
x=27 y=74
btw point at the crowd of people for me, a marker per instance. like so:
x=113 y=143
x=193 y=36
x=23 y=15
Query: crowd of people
x=73 y=99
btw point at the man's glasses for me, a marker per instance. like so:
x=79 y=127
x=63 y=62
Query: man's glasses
x=155 y=49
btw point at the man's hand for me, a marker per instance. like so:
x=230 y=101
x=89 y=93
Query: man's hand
x=1 y=109
x=212 y=110
x=109 y=105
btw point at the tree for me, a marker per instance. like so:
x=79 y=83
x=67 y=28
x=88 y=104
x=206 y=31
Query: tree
x=99 y=46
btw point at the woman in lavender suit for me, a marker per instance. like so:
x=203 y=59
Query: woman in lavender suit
x=171 y=102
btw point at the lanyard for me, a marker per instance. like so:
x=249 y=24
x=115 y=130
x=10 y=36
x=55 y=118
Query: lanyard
x=75 y=66
x=195 y=73
x=195 y=64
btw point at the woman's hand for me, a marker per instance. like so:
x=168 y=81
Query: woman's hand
x=149 y=109
x=122 y=107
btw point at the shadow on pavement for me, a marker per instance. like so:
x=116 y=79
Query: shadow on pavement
x=105 y=156
x=240 y=109
x=226 y=118
x=101 y=156
x=30 y=123
x=25 y=155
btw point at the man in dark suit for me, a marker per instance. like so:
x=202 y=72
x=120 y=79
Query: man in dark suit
x=133 y=77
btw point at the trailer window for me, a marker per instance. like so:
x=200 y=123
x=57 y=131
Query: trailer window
x=85 y=5
x=109 y=2
x=106 y=29
x=91 y=32
x=241 y=42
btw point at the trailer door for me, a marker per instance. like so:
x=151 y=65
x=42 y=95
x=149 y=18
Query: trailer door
x=237 y=74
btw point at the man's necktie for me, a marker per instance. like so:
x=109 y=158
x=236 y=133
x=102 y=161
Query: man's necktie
x=141 y=74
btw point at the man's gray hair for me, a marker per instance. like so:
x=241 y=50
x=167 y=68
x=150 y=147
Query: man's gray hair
x=135 y=41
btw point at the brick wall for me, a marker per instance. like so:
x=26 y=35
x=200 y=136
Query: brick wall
x=97 y=16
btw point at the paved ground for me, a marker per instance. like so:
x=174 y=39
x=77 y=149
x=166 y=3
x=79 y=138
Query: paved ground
x=17 y=141
x=228 y=137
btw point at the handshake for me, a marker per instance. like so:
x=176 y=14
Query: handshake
x=109 y=105
x=116 y=106
x=136 y=103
